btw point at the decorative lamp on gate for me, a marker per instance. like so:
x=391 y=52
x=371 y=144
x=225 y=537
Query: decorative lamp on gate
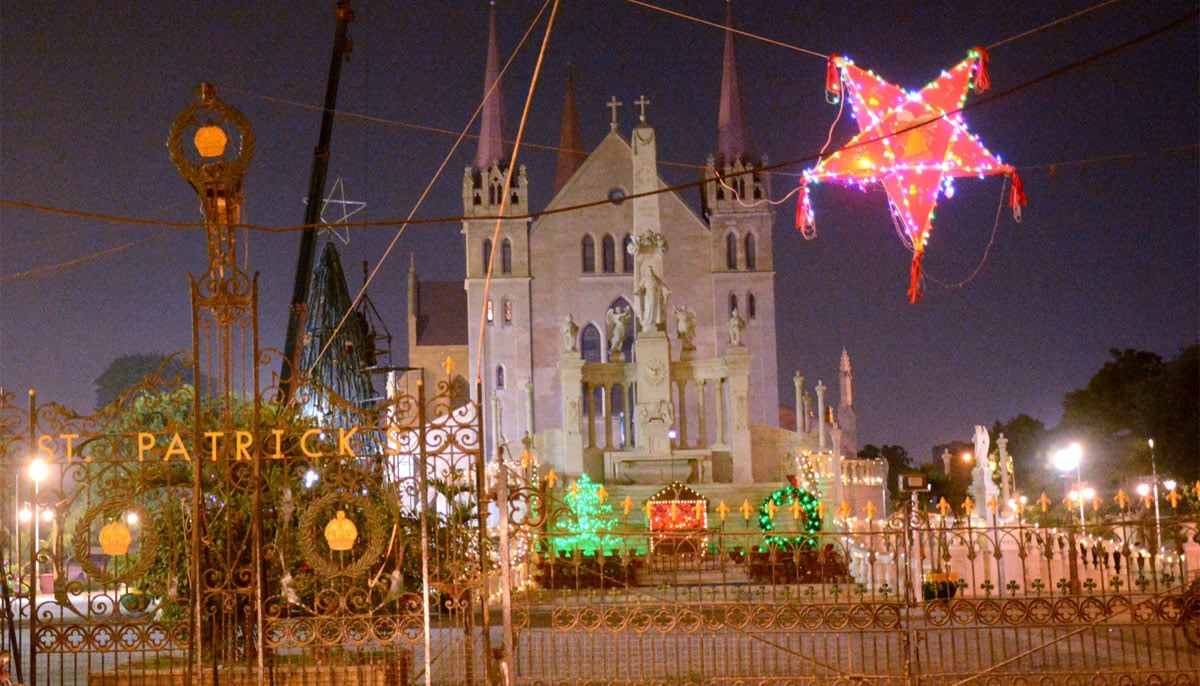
x=115 y=538
x=210 y=140
x=341 y=532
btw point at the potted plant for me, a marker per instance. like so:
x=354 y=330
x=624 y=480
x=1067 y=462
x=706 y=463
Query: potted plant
x=939 y=584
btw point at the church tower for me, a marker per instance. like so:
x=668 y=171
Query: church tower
x=734 y=201
x=498 y=308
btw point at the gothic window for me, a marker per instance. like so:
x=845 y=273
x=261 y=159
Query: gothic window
x=627 y=254
x=750 y=306
x=609 y=255
x=491 y=312
x=732 y=303
x=589 y=255
x=500 y=377
x=506 y=257
x=487 y=253
x=590 y=343
x=731 y=251
x=508 y=311
x=750 y=257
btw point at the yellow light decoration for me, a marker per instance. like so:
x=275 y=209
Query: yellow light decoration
x=115 y=538
x=210 y=140
x=340 y=532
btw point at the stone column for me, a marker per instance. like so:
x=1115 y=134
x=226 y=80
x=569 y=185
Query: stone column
x=702 y=420
x=738 y=361
x=820 y=416
x=1005 y=487
x=570 y=372
x=529 y=409
x=655 y=412
x=801 y=415
x=682 y=420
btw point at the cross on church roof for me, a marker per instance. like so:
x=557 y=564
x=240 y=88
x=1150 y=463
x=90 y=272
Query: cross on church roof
x=613 y=104
x=641 y=102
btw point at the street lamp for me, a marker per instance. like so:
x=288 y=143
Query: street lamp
x=1067 y=460
x=38 y=471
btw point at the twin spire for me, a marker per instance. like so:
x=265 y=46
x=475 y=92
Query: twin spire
x=733 y=141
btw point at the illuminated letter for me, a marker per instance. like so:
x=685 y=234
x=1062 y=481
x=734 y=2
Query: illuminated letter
x=344 y=449
x=145 y=442
x=244 y=439
x=304 y=442
x=43 y=442
x=176 y=448
x=70 y=438
x=278 y=444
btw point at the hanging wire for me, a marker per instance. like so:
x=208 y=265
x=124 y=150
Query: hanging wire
x=429 y=186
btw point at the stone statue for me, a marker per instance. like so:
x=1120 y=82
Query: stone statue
x=618 y=322
x=652 y=300
x=982 y=441
x=735 y=326
x=685 y=326
x=570 y=333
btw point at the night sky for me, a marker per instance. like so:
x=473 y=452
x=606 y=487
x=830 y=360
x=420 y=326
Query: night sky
x=1108 y=254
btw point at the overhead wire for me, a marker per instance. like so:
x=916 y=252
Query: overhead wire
x=411 y=220
x=429 y=186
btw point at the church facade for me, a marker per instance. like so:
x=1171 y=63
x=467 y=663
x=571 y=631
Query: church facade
x=632 y=339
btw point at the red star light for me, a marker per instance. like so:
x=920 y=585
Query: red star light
x=911 y=142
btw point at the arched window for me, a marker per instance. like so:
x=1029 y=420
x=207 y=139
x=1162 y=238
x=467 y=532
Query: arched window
x=731 y=251
x=609 y=255
x=491 y=311
x=499 y=377
x=506 y=257
x=589 y=343
x=487 y=253
x=508 y=311
x=751 y=309
x=627 y=254
x=732 y=303
x=589 y=255
x=750 y=257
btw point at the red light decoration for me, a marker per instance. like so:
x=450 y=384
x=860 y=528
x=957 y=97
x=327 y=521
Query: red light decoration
x=677 y=508
x=911 y=142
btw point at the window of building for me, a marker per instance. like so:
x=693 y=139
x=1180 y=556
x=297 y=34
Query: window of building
x=506 y=257
x=487 y=254
x=731 y=251
x=751 y=308
x=589 y=255
x=750 y=256
x=589 y=343
x=491 y=312
x=627 y=254
x=609 y=255
x=732 y=303
x=508 y=311
x=500 y=377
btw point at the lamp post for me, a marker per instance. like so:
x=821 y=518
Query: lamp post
x=1157 y=517
x=1067 y=460
x=38 y=471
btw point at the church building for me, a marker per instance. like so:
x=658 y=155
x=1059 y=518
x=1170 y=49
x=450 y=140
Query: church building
x=632 y=339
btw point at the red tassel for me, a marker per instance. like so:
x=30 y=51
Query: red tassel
x=1017 y=199
x=983 y=80
x=915 y=287
x=833 y=80
x=805 y=223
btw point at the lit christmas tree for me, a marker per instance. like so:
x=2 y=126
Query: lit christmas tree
x=586 y=520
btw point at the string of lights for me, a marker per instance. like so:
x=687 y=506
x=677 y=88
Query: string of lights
x=401 y=224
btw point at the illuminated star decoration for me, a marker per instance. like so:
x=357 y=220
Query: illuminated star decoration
x=349 y=208
x=911 y=142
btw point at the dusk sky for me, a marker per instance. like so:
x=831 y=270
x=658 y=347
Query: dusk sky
x=1108 y=253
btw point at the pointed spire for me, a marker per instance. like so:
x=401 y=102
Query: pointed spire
x=732 y=140
x=847 y=394
x=570 y=140
x=491 y=124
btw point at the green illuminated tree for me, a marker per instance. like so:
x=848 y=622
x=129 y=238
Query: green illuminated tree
x=586 y=521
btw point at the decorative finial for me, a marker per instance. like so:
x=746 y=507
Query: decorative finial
x=613 y=104
x=641 y=102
